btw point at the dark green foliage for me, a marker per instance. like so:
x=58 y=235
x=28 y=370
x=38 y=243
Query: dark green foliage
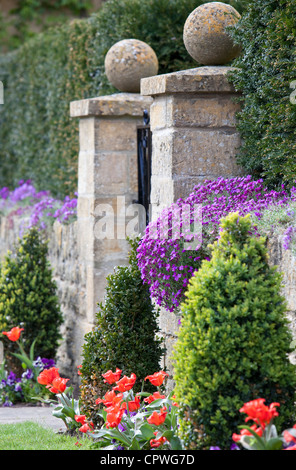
x=234 y=340
x=267 y=68
x=28 y=297
x=159 y=23
x=124 y=335
x=38 y=139
x=19 y=23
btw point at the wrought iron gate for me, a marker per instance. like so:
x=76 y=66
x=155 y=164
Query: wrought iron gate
x=144 y=163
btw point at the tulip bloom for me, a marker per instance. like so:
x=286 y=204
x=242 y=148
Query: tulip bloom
x=14 y=334
x=114 y=415
x=157 y=378
x=259 y=412
x=288 y=436
x=246 y=432
x=157 y=418
x=80 y=419
x=58 y=385
x=110 y=399
x=47 y=376
x=112 y=377
x=133 y=405
x=157 y=442
x=85 y=427
x=155 y=396
x=126 y=383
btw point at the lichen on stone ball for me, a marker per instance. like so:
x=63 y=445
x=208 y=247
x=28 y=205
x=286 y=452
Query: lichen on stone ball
x=127 y=62
x=205 y=34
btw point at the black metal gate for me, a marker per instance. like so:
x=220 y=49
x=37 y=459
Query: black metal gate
x=144 y=163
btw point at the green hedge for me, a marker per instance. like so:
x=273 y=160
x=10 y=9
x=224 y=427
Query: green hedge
x=38 y=139
x=266 y=70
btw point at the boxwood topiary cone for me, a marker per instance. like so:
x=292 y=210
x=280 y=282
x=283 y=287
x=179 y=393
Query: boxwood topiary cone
x=234 y=340
x=28 y=297
x=124 y=335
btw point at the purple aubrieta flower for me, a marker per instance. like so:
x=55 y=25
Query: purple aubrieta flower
x=162 y=249
x=38 y=206
x=288 y=236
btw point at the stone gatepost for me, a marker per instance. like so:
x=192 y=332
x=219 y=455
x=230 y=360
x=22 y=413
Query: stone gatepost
x=193 y=123
x=194 y=138
x=107 y=185
x=194 y=135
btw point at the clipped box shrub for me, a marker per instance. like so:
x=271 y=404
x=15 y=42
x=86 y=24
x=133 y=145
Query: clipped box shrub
x=124 y=335
x=28 y=297
x=234 y=340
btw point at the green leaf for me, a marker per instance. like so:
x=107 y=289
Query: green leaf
x=176 y=444
x=274 y=444
x=32 y=350
x=259 y=441
x=135 y=444
x=147 y=431
x=24 y=360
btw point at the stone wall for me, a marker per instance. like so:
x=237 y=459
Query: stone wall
x=68 y=274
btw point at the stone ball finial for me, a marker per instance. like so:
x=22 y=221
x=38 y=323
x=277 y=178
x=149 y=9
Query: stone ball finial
x=206 y=37
x=127 y=62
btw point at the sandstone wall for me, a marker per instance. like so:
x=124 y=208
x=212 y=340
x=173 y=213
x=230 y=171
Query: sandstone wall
x=68 y=274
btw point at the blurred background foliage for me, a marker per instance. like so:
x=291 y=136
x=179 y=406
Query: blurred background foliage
x=44 y=71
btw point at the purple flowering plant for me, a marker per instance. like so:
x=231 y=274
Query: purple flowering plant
x=15 y=389
x=37 y=208
x=280 y=221
x=166 y=259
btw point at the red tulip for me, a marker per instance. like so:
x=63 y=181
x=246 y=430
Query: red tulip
x=157 y=378
x=155 y=396
x=157 y=442
x=126 y=383
x=135 y=404
x=246 y=432
x=80 y=419
x=14 y=334
x=157 y=418
x=47 y=376
x=114 y=415
x=85 y=428
x=58 y=385
x=259 y=412
x=110 y=399
x=112 y=377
